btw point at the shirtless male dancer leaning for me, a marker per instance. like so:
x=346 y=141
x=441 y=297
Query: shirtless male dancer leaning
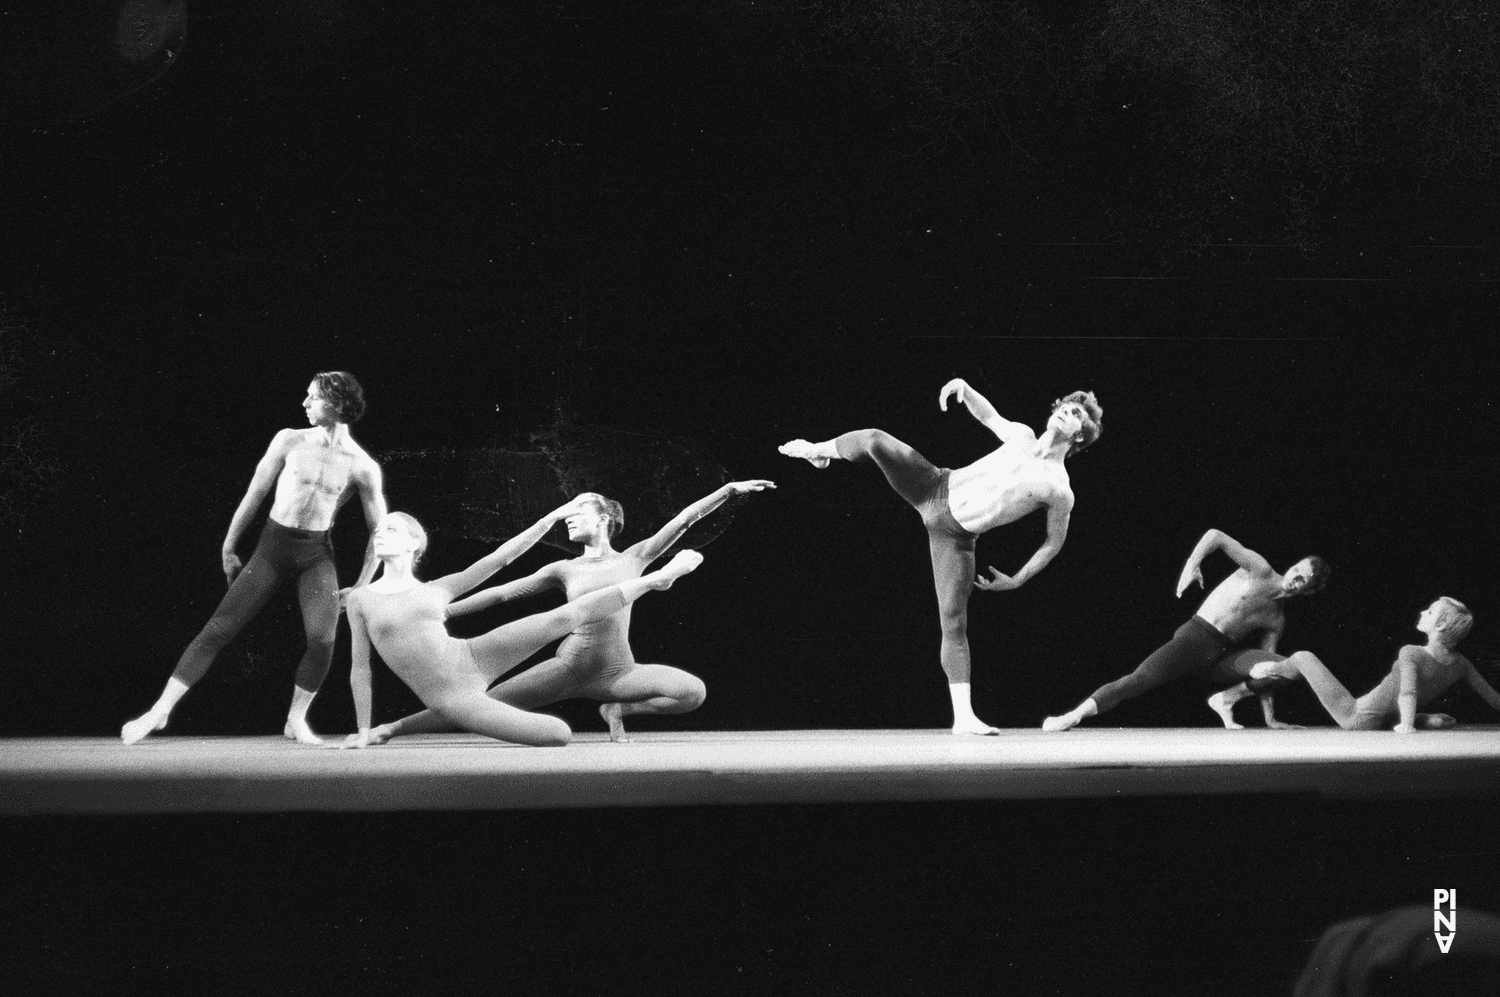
x=1242 y=604
x=314 y=472
x=1420 y=675
x=1026 y=473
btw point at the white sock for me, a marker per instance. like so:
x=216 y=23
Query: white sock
x=962 y=710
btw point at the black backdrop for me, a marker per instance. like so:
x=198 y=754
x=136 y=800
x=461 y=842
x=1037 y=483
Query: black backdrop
x=733 y=224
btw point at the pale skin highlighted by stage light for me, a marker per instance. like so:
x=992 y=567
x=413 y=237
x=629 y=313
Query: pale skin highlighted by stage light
x=313 y=473
x=1025 y=474
x=1249 y=601
x=1420 y=674
x=595 y=661
x=403 y=618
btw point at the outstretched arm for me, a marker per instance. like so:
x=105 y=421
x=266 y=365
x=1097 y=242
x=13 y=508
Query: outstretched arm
x=1058 y=516
x=261 y=483
x=1214 y=540
x=540 y=580
x=1479 y=685
x=980 y=408
x=359 y=675
x=1406 y=696
x=655 y=546
x=460 y=582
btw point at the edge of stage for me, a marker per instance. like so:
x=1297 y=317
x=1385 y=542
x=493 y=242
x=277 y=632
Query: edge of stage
x=168 y=774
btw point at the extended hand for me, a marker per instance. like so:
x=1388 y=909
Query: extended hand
x=232 y=566
x=956 y=388
x=360 y=740
x=1188 y=578
x=997 y=582
x=570 y=508
x=745 y=487
x=1280 y=725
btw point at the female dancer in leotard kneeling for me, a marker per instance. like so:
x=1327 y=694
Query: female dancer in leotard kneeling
x=403 y=618
x=595 y=661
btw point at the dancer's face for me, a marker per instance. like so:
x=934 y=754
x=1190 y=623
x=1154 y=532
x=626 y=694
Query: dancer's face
x=319 y=411
x=393 y=538
x=1297 y=577
x=1068 y=419
x=1431 y=620
x=587 y=524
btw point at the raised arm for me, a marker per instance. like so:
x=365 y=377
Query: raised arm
x=367 y=481
x=980 y=408
x=359 y=675
x=1478 y=684
x=1406 y=695
x=540 y=580
x=462 y=581
x=1214 y=540
x=1059 y=513
x=261 y=483
x=655 y=546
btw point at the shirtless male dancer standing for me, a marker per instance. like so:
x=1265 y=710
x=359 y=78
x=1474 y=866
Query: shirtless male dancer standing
x=1247 y=601
x=314 y=472
x=1026 y=473
x=1420 y=675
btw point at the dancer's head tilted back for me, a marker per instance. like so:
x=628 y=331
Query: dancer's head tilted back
x=600 y=519
x=400 y=538
x=1447 y=620
x=1083 y=406
x=1308 y=576
x=339 y=393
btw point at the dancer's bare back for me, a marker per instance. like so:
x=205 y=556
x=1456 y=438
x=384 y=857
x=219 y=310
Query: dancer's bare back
x=314 y=477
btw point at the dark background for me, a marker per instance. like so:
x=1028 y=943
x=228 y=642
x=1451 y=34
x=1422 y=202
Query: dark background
x=1265 y=237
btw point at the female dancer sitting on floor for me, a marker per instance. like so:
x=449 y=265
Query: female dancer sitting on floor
x=403 y=618
x=595 y=661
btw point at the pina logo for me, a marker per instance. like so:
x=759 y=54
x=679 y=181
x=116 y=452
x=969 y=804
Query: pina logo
x=1444 y=921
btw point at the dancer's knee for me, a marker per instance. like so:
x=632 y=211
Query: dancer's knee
x=693 y=694
x=861 y=443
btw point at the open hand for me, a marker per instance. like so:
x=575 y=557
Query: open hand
x=572 y=507
x=1188 y=578
x=956 y=388
x=232 y=566
x=997 y=582
x=745 y=487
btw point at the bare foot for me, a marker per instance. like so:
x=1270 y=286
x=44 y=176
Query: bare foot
x=1064 y=722
x=1224 y=707
x=807 y=451
x=613 y=714
x=1280 y=725
x=146 y=723
x=1435 y=721
x=299 y=731
x=686 y=561
x=974 y=725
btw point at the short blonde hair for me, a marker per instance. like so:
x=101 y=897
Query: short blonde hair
x=417 y=532
x=1454 y=620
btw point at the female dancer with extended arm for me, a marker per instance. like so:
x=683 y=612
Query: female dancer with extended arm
x=403 y=618
x=595 y=661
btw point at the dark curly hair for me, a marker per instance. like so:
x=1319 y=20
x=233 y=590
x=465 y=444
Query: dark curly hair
x=1093 y=424
x=342 y=392
x=609 y=508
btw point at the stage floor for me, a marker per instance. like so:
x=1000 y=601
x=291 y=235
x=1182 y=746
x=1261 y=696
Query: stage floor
x=466 y=772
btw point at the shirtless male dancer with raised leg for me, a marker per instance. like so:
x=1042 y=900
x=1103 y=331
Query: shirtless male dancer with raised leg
x=1242 y=604
x=314 y=472
x=1420 y=675
x=1026 y=473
